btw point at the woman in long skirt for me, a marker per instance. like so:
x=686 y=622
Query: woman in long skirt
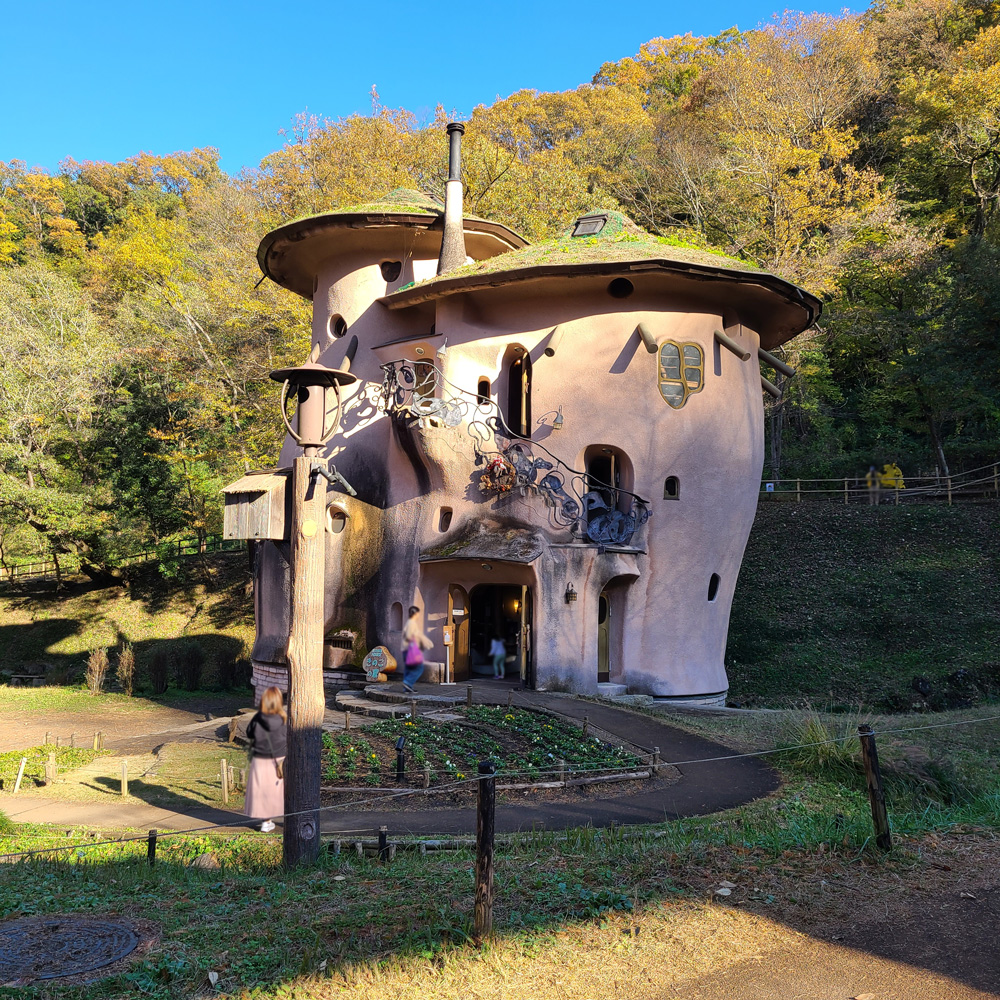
x=265 y=797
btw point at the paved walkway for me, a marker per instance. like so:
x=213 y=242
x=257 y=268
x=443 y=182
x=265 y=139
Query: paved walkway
x=702 y=788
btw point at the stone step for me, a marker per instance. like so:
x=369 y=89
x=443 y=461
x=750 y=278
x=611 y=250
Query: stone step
x=382 y=693
x=350 y=702
x=606 y=690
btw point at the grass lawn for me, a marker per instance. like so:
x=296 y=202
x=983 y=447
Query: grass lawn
x=585 y=913
x=843 y=606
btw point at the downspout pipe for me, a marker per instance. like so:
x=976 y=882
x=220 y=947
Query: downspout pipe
x=453 y=241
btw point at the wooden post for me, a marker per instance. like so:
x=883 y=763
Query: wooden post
x=151 y=848
x=383 y=844
x=949 y=490
x=510 y=697
x=468 y=696
x=100 y=741
x=485 y=813
x=996 y=481
x=586 y=724
x=51 y=770
x=876 y=794
x=798 y=491
x=897 y=496
x=124 y=777
x=225 y=783
x=95 y=739
x=72 y=740
x=306 y=699
x=845 y=491
x=413 y=708
x=58 y=741
x=561 y=765
x=347 y=720
x=427 y=776
x=656 y=761
x=20 y=775
x=48 y=738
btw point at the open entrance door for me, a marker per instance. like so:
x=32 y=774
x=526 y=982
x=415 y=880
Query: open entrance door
x=458 y=616
x=500 y=611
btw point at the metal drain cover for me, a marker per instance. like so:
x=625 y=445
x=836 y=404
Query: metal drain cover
x=54 y=946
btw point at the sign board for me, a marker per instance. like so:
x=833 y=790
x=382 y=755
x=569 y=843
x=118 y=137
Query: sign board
x=449 y=634
x=379 y=661
x=769 y=487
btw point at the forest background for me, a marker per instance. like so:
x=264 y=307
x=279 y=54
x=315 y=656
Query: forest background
x=858 y=155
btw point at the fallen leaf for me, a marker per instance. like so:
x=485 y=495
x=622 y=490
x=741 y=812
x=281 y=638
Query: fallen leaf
x=723 y=892
x=864 y=996
x=213 y=977
x=339 y=878
x=967 y=895
x=322 y=965
x=727 y=885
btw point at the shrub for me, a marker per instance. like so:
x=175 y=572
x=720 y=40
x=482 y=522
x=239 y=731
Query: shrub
x=159 y=671
x=225 y=669
x=190 y=664
x=97 y=670
x=126 y=669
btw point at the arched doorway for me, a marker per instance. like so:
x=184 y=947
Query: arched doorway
x=612 y=614
x=518 y=415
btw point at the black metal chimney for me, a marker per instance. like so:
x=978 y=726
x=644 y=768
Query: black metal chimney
x=453 y=240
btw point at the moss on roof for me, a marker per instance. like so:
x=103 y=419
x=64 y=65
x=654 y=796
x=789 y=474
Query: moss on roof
x=621 y=247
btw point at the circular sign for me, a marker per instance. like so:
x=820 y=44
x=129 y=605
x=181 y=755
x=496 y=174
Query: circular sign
x=308 y=528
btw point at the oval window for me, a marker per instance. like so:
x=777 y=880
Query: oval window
x=391 y=269
x=337 y=326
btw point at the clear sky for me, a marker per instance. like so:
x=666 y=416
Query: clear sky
x=103 y=80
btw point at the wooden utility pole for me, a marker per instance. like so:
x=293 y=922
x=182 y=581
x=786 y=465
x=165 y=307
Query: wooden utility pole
x=306 y=700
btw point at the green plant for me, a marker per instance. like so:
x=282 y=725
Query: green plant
x=97 y=670
x=125 y=671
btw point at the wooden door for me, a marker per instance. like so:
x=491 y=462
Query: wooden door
x=458 y=616
x=603 y=638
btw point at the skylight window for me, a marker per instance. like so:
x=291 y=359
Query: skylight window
x=589 y=225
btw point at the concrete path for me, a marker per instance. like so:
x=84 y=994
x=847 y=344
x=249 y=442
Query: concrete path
x=702 y=788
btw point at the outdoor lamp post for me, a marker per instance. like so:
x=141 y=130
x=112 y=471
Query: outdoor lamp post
x=306 y=702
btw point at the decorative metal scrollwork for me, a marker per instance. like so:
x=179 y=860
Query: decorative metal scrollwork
x=593 y=510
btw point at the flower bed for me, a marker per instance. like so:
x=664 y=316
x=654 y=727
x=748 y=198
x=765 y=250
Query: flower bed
x=525 y=746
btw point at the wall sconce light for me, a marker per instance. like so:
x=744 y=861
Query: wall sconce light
x=570 y=593
x=441 y=351
x=558 y=422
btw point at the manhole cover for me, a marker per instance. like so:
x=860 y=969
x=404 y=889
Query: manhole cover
x=51 y=947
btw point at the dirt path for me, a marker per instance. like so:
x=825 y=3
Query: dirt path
x=116 y=722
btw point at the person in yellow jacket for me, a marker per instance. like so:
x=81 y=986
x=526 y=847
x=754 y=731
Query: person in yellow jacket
x=891 y=477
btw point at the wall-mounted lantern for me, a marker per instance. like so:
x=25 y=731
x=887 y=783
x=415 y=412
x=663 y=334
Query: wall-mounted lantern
x=570 y=593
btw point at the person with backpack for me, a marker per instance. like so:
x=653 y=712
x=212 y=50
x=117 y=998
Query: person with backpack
x=414 y=645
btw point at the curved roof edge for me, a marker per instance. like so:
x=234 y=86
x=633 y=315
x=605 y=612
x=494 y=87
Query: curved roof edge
x=809 y=306
x=375 y=217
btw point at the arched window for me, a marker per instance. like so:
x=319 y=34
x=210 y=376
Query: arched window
x=396 y=617
x=609 y=471
x=671 y=488
x=483 y=391
x=518 y=413
x=713 y=586
x=444 y=519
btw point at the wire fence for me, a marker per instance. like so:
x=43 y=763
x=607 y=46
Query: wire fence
x=973 y=484
x=452 y=786
x=70 y=563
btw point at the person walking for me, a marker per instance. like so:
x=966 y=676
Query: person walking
x=414 y=645
x=267 y=733
x=499 y=653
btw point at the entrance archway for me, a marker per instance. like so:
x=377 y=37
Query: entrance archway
x=458 y=616
x=501 y=611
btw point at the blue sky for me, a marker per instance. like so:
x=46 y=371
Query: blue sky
x=103 y=80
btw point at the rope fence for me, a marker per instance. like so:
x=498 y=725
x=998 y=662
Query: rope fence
x=866 y=734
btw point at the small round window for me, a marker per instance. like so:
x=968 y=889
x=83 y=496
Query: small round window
x=391 y=269
x=620 y=288
x=337 y=326
x=336 y=520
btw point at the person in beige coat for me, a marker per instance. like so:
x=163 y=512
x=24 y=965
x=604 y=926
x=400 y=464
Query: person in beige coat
x=414 y=645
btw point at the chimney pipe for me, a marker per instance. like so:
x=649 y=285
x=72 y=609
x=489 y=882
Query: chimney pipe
x=453 y=240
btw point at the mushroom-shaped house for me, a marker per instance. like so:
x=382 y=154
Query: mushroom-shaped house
x=557 y=445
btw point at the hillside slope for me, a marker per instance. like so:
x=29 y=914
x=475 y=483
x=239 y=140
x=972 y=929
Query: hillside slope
x=889 y=607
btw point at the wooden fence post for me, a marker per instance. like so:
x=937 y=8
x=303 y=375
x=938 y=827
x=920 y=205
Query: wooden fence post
x=51 y=770
x=383 y=844
x=95 y=739
x=996 y=481
x=124 y=778
x=225 y=783
x=48 y=738
x=876 y=793
x=586 y=724
x=468 y=696
x=413 y=708
x=20 y=775
x=655 y=768
x=72 y=740
x=845 y=491
x=949 y=490
x=485 y=814
x=151 y=848
x=798 y=491
x=427 y=776
x=347 y=720
x=561 y=765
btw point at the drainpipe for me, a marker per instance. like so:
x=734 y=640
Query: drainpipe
x=453 y=241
